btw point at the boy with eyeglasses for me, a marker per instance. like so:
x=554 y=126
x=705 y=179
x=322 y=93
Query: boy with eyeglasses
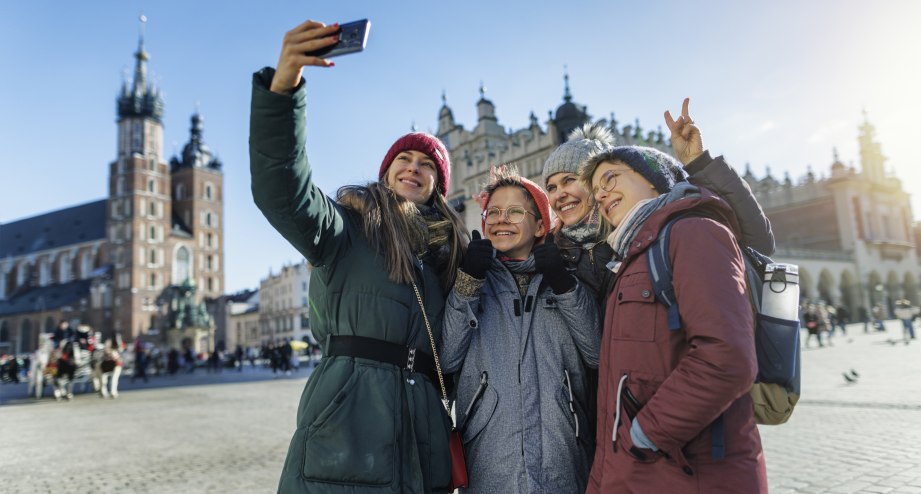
x=519 y=332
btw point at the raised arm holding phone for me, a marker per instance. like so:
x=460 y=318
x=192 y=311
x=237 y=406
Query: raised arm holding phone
x=371 y=417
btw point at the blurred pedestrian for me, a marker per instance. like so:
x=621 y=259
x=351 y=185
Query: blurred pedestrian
x=906 y=313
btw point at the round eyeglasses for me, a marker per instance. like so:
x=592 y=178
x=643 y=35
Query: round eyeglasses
x=608 y=180
x=513 y=214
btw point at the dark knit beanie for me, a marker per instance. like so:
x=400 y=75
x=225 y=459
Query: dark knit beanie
x=424 y=143
x=660 y=169
x=540 y=198
x=582 y=144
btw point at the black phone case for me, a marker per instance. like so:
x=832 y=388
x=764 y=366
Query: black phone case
x=353 y=36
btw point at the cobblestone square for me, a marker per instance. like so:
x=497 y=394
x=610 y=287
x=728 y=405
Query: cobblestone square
x=229 y=432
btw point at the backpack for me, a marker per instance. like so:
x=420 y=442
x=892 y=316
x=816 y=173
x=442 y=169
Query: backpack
x=777 y=386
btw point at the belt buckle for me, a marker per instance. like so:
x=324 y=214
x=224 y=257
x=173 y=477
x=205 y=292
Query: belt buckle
x=411 y=360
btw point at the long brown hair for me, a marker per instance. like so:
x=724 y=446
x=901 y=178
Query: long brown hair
x=388 y=222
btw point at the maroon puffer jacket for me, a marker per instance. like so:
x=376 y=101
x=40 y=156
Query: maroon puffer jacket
x=683 y=379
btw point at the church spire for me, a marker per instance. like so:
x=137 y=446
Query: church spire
x=140 y=99
x=872 y=160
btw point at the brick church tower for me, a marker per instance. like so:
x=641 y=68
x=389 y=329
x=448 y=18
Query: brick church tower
x=164 y=221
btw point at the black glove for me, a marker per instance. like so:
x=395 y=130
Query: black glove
x=480 y=254
x=547 y=260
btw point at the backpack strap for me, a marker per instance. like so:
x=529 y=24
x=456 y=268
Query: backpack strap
x=660 y=272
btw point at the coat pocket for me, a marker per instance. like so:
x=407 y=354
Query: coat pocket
x=574 y=412
x=353 y=440
x=636 y=309
x=480 y=415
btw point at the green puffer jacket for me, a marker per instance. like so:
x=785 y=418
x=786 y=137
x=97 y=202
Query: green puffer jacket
x=362 y=425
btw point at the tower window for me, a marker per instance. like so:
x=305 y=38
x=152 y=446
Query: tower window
x=153 y=256
x=180 y=191
x=209 y=192
x=153 y=233
x=153 y=209
x=151 y=186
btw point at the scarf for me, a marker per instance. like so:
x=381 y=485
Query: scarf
x=522 y=271
x=586 y=232
x=628 y=228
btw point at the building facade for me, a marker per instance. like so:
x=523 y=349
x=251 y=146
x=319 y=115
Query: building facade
x=488 y=143
x=851 y=232
x=241 y=311
x=284 y=306
x=106 y=263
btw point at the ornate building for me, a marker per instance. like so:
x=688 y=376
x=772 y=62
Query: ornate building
x=851 y=233
x=488 y=143
x=106 y=263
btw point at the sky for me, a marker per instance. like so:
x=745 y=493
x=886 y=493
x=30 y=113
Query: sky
x=775 y=84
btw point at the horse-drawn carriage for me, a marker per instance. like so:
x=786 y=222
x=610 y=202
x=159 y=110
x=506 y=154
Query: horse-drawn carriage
x=74 y=363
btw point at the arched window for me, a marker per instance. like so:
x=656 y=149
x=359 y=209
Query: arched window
x=182 y=265
x=64 y=268
x=153 y=232
x=120 y=186
x=44 y=272
x=22 y=273
x=86 y=265
x=180 y=191
x=209 y=192
x=207 y=219
x=151 y=186
x=153 y=256
x=153 y=208
x=153 y=280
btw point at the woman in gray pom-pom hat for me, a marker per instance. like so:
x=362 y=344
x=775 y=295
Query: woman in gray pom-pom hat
x=579 y=231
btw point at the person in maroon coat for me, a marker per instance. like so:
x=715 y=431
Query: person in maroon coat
x=674 y=413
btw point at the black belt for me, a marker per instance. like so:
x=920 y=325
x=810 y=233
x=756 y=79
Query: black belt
x=401 y=356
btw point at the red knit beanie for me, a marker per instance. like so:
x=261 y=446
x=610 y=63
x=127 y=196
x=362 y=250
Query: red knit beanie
x=424 y=143
x=540 y=198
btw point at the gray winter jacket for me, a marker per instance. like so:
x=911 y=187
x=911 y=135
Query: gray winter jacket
x=526 y=431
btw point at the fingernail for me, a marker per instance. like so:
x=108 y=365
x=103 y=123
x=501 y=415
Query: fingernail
x=336 y=25
x=332 y=64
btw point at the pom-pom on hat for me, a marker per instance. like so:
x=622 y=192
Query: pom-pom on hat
x=582 y=144
x=658 y=168
x=424 y=143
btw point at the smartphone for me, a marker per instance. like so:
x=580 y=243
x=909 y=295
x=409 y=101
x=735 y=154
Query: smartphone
x=352 y=39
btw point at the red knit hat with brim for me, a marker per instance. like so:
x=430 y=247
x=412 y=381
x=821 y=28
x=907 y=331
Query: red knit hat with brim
x=540 y=198
x=424 y=143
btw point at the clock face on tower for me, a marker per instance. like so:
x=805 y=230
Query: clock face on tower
x=136 y=135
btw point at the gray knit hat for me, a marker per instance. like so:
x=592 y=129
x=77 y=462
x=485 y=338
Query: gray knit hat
x=660 y=169
x=582 y=144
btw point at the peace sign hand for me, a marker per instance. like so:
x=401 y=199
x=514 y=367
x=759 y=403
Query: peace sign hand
x=686 y=141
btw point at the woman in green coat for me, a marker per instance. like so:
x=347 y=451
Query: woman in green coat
x=371 y=418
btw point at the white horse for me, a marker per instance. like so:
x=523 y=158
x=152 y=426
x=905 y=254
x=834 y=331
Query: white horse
x=39 y=364
x=107 y=368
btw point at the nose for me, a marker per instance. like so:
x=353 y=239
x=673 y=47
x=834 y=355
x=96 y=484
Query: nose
x=600 y=195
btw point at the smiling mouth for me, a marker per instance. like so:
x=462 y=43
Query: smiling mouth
x=568 y=207
x=411 y=183
x=503 y=234
x=612 y=205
